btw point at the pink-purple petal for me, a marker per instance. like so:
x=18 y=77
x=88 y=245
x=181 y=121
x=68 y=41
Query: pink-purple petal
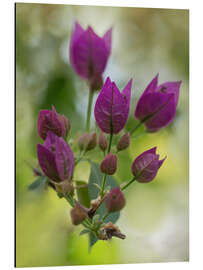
x=127 y=92
x=111 y=108
x=47 y=162
x=162 y=117
x=146 y=165
x=171 y=87
x=107 y=40
x=89 y=53
x=64 y=159
x=152 y=86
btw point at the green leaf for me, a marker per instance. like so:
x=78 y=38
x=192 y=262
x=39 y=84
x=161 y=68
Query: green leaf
x=84 y=231
x=96 y=178
x=92 y=240
x=38 y=184
x=82 y=193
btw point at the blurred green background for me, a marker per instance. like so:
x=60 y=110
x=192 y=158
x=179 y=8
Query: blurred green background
x=145 y=42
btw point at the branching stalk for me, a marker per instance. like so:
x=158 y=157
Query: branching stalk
x=89 y=109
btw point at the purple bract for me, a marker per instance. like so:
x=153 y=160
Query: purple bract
x=52 y=121
x=89 y=54
x=157 y=105
x=55 y=158
x=112 y=107
x=145 y=166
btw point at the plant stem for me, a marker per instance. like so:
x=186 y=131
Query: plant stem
x=89 y=109
x=129 y=183
x=103 y=185
x=136 y=127
x=110 y=142
x=105 y=175
x=80 y=157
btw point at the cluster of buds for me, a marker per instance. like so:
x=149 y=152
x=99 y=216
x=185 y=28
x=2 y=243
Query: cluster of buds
x=52 y=121
x=156 y=108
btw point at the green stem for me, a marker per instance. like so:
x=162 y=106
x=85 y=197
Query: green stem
x=89 y=109
x=80 y=157
x=105 y=175
x=136 y=127
x=129 y=183
x=110 y=142
x=103 y=185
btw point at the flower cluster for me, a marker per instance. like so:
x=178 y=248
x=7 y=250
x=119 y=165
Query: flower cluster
x=155 y=109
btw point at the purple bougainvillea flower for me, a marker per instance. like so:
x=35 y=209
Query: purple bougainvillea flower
x=55 y=158
x=112 y=107
x=51 y=120
x=145 y=166
x=157 y=105
x=89 y=54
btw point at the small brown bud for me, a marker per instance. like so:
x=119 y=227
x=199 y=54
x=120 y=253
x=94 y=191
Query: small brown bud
x=87 y=141
x=115 y=200
x=67 y=124
x=124 y=142
x=109 y=164
x=103 y=143
x=92 y=142
x=83 y=141
x=78 y=214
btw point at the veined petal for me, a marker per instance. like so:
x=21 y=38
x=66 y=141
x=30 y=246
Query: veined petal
x=127 y=91
x=47 y=162
x=163 y=117
x=64 y=159
x=107 y=37
x=146 y=165
x=171 y=88
x=111 y=109
x=152 y=86
x=151 y=103
x=40 y=123
x=89 y=53
x=50 y=141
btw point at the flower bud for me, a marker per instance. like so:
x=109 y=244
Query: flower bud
x=156 y=107
x=145 y=166
x=115 y=200
x=54 y=122
x=83 y=141
x=78 y=214
x=103 y=143
x=92 y=142
x=67 y=124
x=112 y=107
x=109 y=164
x=87 y=141
x=124 y=142
x=56 y=158
x=89 y=54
